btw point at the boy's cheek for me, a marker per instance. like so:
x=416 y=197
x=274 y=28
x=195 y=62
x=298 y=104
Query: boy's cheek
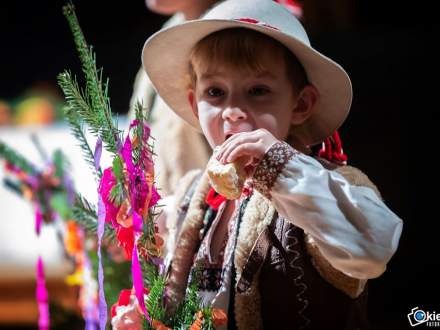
x=212 y=140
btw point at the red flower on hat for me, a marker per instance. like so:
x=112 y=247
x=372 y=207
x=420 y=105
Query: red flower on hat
x=293 y=6
x=256 y=22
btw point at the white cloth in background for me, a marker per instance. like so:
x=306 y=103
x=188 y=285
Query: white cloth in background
x=19 y=245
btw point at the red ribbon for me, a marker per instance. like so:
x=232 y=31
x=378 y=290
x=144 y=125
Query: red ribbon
x=214 y=199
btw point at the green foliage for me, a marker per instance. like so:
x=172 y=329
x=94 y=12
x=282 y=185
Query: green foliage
x=117 y=167
x=186 y=311
x=61 y=163
x=84 y=213
x=155 y=303
x=92 y=105
x=60 y=204
x=13 y=157
x=150 y=273
x=118 y=193
x=75 y=101
x=139 y=132
x=117 y=275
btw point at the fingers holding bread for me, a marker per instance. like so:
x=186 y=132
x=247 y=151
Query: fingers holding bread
x=227 y=179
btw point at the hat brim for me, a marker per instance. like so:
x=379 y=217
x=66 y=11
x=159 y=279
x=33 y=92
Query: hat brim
x=167 y=68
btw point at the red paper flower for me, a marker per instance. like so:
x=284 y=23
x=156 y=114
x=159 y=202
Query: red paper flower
x=108 y=180
x=124 y=300
x=125 y=238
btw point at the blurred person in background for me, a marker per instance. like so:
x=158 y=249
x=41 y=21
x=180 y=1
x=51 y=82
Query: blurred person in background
x=178 y=146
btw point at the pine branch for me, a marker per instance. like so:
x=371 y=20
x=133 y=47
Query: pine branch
x=39 y=147
x=79 y=109
x=77 y=104
x=139 y=132
x=155 y=299
x=62 y=164
x=84 y=213
x=150 y=273
x=13 y=186
x=208 y=324
x=96 y=90
x=185 y=313
x=14 y=158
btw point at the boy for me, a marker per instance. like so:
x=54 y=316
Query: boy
x=297 y=248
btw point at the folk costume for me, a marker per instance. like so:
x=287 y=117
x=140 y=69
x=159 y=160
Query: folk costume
x=306 y=234
x=273 y=272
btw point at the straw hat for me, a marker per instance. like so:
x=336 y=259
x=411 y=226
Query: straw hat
x=165 y=58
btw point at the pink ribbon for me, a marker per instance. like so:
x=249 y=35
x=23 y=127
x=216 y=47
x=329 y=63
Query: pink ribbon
x=38 y=219
x=42 y=297
x=136 y=271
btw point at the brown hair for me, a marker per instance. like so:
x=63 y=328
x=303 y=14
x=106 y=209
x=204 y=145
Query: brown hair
x=236 y=48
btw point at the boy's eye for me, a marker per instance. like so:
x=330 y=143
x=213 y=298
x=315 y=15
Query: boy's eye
x=258 y=91
x=215 y=92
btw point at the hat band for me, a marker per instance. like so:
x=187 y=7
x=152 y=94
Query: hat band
x=256 y=22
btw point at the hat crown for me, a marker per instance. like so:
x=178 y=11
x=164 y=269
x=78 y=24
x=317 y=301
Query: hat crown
x=265 y=12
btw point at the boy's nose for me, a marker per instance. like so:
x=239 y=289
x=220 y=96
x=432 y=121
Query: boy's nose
x=233 y=114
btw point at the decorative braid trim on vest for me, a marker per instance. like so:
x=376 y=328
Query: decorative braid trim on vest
x=298 y=280
x=258 y=214
x=187 y=244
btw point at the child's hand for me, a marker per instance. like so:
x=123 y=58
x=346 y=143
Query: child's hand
x=252 y=145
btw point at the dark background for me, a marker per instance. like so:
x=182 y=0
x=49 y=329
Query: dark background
x=390 y=133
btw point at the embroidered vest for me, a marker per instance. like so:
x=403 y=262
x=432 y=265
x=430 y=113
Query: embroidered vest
x=295 y=296
x=282 y=281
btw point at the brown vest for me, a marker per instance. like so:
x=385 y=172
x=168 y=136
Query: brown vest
x=293 y=293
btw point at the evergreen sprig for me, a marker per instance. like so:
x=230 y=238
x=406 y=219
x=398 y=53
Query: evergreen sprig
x=92 y=105
x=84 y=213
x=150 y=272
x=155 y=303
x=139 y=132
x=186 y=311
x=76 y=103
x=14 y=158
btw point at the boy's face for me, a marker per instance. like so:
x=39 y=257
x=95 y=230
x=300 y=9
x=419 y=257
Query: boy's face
x=230 y=101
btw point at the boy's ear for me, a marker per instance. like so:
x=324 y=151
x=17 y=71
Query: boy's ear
x=193 y=102
x=305 y=104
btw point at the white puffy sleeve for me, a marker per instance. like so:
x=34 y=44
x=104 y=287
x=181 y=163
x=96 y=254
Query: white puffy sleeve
x=353 y=229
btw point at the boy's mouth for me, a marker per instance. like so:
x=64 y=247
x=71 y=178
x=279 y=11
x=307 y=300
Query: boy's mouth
x=228 y=136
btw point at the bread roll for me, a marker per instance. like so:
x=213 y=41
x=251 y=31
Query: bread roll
x=228 y=179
